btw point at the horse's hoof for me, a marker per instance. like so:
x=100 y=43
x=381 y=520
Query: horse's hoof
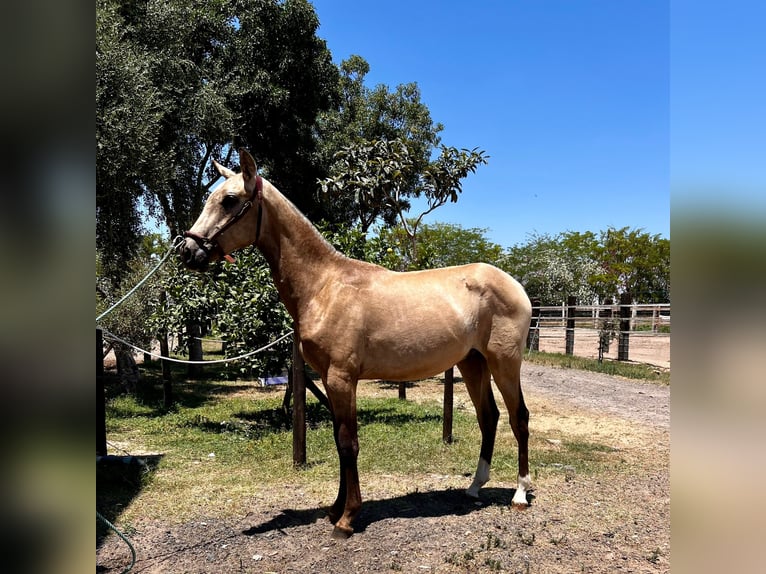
x=520 y=505
x=333 y=514
x=342 y=533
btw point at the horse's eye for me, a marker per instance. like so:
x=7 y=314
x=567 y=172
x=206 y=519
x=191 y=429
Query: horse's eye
x=229 y=201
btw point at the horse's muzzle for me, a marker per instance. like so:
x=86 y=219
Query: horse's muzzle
x=193 y=255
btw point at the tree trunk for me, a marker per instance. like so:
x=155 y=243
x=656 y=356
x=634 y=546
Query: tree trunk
x=167 y=382
x=194 y=333
x=127 y=369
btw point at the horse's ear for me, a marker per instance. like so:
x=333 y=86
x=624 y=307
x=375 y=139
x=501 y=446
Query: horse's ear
x=249 y=170
x=224 y=171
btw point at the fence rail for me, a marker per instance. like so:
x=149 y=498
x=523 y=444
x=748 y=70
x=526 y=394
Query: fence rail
x=603 y=331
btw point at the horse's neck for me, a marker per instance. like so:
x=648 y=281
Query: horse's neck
x=301 y=260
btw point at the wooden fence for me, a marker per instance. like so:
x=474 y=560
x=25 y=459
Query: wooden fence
x=623 y=331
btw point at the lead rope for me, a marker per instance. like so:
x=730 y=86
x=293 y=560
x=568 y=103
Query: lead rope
x=176 y=243
x=124 y=538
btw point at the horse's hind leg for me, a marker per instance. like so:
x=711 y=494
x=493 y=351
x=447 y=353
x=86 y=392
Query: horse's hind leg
x=507 y=374
x=477 y=380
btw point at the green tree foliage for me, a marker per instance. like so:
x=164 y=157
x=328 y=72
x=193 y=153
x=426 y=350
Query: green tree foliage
x=439 y=245
x=633 y=261
x=177 y=82
x=373 y=132
x=376 y=180
x=237 y=302
x=128 y=117
x=552 y=268
x=128 y=320
x=593 y=267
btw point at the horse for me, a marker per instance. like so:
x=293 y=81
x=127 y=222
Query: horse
x=356 y=320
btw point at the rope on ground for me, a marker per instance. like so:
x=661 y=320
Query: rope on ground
x=124 y=538
x=176 y=242
x=108 y=335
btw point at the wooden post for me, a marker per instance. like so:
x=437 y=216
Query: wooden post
x=299 y=406
x=449 y=387
x=623 y=349
x=167 y=381
x=604 y=329
x=533 y=335
x=100 y=395
x=571 y=303
x=194 y=333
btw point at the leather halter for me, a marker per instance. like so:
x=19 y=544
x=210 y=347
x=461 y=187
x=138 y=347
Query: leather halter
x=209 y=244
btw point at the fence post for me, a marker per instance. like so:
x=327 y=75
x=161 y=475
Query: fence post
x=299 y=406
x=623 y=349
x=167 y=381
x=605 y=329
x=533 y=335
x=194 y=334
x=571 y=303
x=100 y=395
x=449 y=386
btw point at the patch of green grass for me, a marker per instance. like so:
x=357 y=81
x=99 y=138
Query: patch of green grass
x=628 y=370
x=221 y=442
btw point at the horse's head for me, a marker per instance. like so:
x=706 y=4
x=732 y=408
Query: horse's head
x=227 y=221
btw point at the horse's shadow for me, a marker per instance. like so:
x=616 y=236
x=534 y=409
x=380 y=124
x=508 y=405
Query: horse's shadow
x=431 y=504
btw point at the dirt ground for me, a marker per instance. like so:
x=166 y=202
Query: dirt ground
x=644 y=347
x=617 y=521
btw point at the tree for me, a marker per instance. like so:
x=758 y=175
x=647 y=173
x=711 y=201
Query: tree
x=367 y=178
x=373 y=129
x=439 y=245
x=238 y=301
x=285 y=79
x=178 y=82
x=442 y=181
x=447 y=244
x=128 y=116
x=591 y=266
x=376 y=179
x=636 y=262
x=128 y=320
x=553 y=268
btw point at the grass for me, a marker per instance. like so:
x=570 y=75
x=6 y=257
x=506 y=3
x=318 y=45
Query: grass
x=619 y=368
x=224 y=440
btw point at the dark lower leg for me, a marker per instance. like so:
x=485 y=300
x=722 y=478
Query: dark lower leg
x=348 y=451
x=336 y=510
x=488 y=424
x=521 y=430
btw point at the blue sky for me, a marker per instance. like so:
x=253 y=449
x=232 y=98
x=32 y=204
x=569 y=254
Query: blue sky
x=570 y=99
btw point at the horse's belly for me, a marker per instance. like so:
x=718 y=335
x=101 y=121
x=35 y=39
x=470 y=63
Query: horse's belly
x=410 y=358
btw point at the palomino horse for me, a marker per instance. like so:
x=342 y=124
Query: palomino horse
x=356 y=320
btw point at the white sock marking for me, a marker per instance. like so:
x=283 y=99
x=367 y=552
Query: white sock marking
x=520 y=496
x=480 y=478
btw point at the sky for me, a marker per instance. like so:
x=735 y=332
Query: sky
x=570 y=99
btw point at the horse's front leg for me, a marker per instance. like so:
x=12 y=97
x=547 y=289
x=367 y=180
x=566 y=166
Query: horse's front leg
x=336 y=510
x=341 y=391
